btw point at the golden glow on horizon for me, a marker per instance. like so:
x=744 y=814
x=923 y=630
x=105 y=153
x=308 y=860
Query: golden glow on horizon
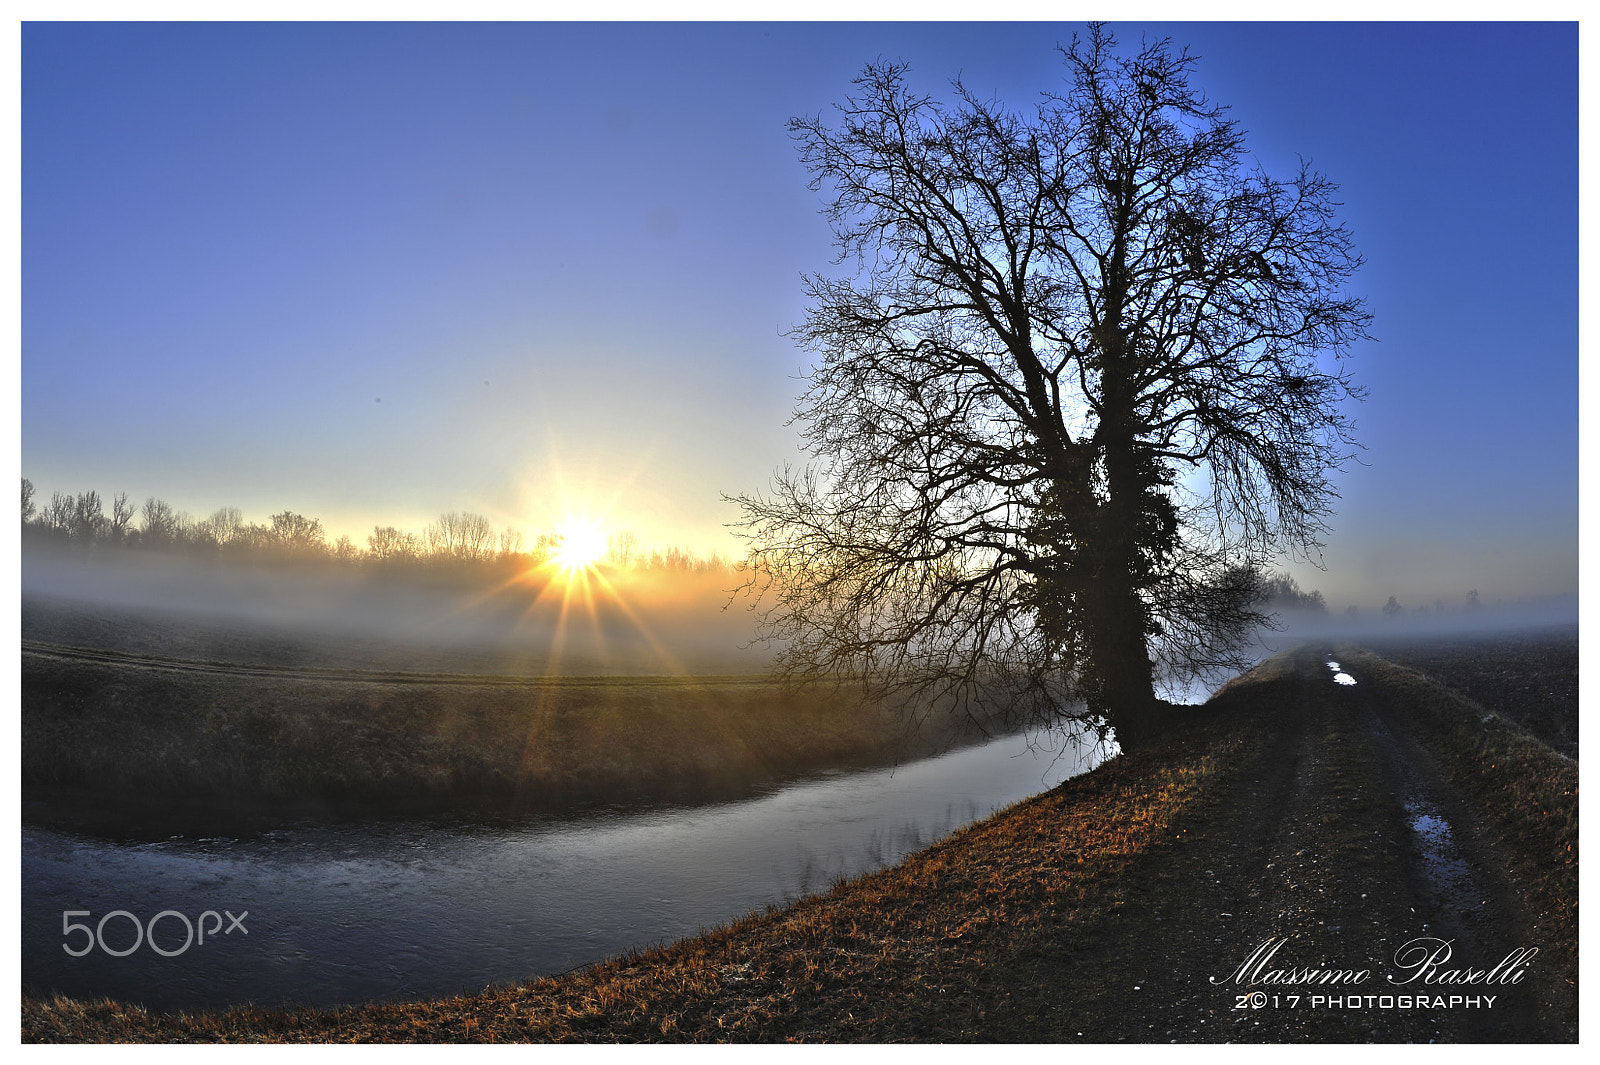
x=585 y=610
x=569 y=591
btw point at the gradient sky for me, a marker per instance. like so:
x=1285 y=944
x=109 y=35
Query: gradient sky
x=372 y=273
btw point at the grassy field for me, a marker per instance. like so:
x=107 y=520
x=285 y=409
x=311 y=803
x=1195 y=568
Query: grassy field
x=1110 y=909
x=122 y=725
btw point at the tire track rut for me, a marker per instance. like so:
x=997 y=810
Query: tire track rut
x=1313 y=859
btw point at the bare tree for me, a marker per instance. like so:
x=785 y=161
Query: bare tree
x=28 y=507
x=1072 y=402
x=87 y=521
x=157 y=523
x=222 y=527
x=461 y=538
x=622 y=549
x=678 y=560
x=1282 y=593
x=544 y=546
x=121 y=517
x=511 y=542
x=57 y=514
x=297 y=534
x=388 y=544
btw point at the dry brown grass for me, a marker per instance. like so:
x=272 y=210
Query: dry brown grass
x=119 y=725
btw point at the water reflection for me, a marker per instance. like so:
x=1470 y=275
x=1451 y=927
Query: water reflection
x=1339 y=676
x=1448 y=874
x=349 y=913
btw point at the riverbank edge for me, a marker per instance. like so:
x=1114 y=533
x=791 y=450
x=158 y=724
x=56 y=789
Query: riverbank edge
x=947 y=945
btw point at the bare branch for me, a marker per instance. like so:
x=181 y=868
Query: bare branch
x=1084 y=384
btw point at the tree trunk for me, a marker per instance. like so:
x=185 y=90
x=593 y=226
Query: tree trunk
x=1123 y=688
x=1119 y=623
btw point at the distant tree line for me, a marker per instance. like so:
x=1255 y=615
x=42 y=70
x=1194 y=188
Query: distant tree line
x=1394 y=610
x=1281 y=594
x=455 y=540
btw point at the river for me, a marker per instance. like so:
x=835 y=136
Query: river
x=331 y=913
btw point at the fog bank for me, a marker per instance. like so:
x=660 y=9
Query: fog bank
x=1507 y=616
x=469 y=619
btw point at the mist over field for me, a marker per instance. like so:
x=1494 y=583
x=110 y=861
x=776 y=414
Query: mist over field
x=487 y=618
x=525 y=619
x=1517 y=614
x=1301 y=616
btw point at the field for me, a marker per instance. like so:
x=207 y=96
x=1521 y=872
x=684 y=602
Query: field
x=1529 y=677
x=1123 y=905
x=149 y=737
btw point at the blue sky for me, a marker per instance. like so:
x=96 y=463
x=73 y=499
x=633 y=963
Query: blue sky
x=372 y=273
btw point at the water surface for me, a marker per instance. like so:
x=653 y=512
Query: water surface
x=353 y=912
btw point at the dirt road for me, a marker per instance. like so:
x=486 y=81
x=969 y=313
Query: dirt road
x=1345 y=846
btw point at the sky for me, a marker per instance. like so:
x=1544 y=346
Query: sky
x=377 y=272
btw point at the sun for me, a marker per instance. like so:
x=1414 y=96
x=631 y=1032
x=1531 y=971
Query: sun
x=582 y=545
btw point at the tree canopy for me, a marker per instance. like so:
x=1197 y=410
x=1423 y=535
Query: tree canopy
x=1082 y=387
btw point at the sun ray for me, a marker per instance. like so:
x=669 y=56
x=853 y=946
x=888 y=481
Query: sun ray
x=577 y=604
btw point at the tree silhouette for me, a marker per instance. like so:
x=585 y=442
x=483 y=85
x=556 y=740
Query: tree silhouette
x=1070 y=404
x=622 y=548
x=1282 y=592
x=296 y=534
x=389 y=544
x=84 y=517
x=511 y=541
x=158 y=524
x=223 y=528
x=121 y=518
x=465 y=537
